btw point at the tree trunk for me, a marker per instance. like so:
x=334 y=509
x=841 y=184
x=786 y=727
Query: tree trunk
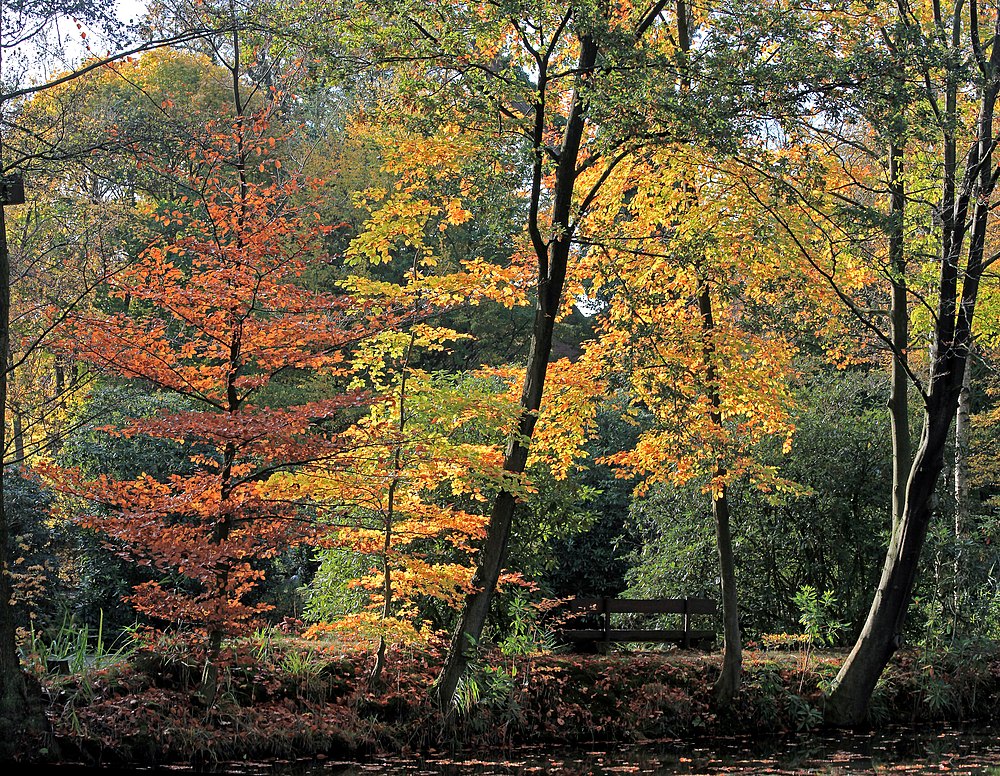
x=882 y=633
x=60 y=373
x=552 y=264
x=390 y=511
x=962 y=506
x=728 y=683
x=962 y=420
x=224 y=522
x=17 y=429
x=847 y=704
x=899 y=406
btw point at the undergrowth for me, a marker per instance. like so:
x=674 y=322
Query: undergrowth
x=289 y=698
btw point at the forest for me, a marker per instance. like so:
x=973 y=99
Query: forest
x=347 y=344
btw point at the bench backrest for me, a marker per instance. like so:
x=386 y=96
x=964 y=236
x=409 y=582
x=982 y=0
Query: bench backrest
x=644 y=605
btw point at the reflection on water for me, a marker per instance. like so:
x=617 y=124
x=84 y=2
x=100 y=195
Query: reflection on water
x=897 y=751
x=893 y=752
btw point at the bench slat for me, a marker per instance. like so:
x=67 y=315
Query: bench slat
x=646 y=605
x=637 y=635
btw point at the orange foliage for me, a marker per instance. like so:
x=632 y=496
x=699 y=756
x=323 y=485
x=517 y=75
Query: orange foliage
x=214 y=314
x=681 y=225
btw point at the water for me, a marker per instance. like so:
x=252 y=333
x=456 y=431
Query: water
x=899 y=751
x=892 y=752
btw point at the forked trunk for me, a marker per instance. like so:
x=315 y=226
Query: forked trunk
x=957 y=291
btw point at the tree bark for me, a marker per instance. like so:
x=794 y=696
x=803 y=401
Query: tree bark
x=962 y=506
x=899 y=405
x=882 y=632
x=728 y=683
x=962 y=421
x=390 y=512
x=552 y=264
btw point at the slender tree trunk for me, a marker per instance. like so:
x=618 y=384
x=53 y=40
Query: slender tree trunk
x=962 y=421
x=60 y=375
x=16 y=420
x=899 y=406
x=21 y=709
x=962 y=506
x=225 y=522
x=552 y=261
x=728 y=683
x=17 y=429
x=390 y=510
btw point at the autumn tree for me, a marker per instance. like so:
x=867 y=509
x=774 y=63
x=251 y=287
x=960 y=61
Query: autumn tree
x=214 y=315
x=906 y=104
x=692 y=305
x=82 y=223
x=413 y=506
x=536 y=72
x=408 y=508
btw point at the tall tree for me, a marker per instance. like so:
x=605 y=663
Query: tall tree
x=580 y=87
x=906 y=97
x=550 y=43
x=701 y=319
x=215 y=313
x=967 y=187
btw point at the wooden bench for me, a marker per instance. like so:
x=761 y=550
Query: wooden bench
x=685 y=637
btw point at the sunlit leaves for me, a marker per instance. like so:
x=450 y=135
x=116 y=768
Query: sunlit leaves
x=715 y=392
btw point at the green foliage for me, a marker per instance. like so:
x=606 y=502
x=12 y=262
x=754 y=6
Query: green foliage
x=558 y=511
x=524 y=635
x=330 y=594
x=34 y=547
x=487 y=689
x=114 y=404
x=829 y=537
x=73 y=648
x=594 y=560
x=816 y=618
x=804 y=715
x=957 y=596
x=98 y=575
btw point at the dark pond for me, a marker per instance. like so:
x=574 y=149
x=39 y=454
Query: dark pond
x=921 y=751
x=903 y=751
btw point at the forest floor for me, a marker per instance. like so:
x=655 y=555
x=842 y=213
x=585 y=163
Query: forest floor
x=304 y=699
